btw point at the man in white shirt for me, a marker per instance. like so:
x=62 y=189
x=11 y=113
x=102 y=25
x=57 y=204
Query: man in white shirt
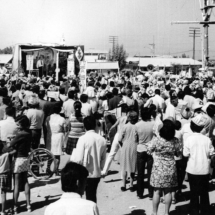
x=68 y=108
x=73 y=180
x=170 y=110
x=198 y=149
x=86 y=109
x=91 y=153
x=158 y=101
x=8 y=127
x=40 y=65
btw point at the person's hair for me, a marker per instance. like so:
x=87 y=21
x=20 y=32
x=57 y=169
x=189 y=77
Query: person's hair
x=152 y=110
x=199 y=94
x=211 y=110
x=145 y=114
x=111 y=84
x=57 y=109
x=90 y=84
x=84 y=98
x=77 y=107
x=18 y=86
x=168 y=87
x=72 y=175
x=195 y=128
x=132 y=119
x=62 y=90
x=10 y=111
x=104 y=86
x=167 y=132
x=145 y=96
x=115 y=91
x=180 y=95
x=187 y=91
x=23 y=121
x=36 y=89
x=71 y=94
x=177 y=125
x=41 y=94
x=89 y=123
x=157 y=91
x=6 y=100
x=27 y=87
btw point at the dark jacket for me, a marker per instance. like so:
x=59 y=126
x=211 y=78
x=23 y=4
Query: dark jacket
x=114 y=102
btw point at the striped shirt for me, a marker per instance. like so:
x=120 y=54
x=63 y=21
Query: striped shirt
x=77 y=126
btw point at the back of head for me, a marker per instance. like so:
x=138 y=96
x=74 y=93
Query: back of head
x=145 y=114
x=133 y=117
x=6 y=101
x=10 y=111
x=77 y=107
x=62 y=90
x=211 y=110
x=115 y=91
x=73 y=177
x=180 y=95
x=90 y=123
x=84 y=98
x=168 y=87
x=111 y=84
x=157 y=91
x=104 y=86
x=18 y=86
x=36 y=89
x=167 y=132
x=71 y=94
x=57 y=109
x=177 y=125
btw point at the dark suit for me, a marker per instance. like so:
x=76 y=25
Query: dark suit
x=114 y=102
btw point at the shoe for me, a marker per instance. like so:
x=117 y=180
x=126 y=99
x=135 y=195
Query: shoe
x=15 y=210
x=123 y=189
x=150 y=197
x=132 y=189
x=173 y=201
x=140 y=197
x=29 y=208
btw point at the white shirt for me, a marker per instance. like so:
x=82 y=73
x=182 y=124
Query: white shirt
x=68 y=107
x=90 y=91
x=158 y=101
x=190 y=101
x=91 y=153
x=8 y=128
x=198 y=148
x=39 y=63
x=86 y=109
x=72 y=204
x=186 y=131
x=170 y=112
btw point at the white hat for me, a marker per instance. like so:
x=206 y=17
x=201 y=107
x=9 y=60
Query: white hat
x=200 y=120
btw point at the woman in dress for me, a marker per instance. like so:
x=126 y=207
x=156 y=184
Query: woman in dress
x=56 y=127
x=128 y=138
x=163 y=147
x=22 y=144
x=76 y=128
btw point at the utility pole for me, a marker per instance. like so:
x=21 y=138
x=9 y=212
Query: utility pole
x=113 y=40
x=206 y=7
x=194 y=32
x=153 y=46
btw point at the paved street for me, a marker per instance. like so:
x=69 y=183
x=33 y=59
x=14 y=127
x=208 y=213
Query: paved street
x=110 y=198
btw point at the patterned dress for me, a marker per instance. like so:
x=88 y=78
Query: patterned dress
x=164 y=173
x=129 y=138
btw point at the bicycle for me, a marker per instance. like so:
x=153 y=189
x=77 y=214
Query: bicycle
x=42 y=164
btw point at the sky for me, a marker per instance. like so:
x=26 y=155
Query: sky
x=91 y=22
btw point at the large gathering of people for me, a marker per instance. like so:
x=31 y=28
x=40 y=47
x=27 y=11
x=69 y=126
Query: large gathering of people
x=155 y=122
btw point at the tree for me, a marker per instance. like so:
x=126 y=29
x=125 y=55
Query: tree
x=119 y=54
x=7 y=50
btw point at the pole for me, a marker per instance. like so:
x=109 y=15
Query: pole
x=194 y=42
x=206 y=42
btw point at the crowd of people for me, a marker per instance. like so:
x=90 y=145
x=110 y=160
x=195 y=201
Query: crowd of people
x=156 y=122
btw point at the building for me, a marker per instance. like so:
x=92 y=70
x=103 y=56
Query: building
x=94 y=55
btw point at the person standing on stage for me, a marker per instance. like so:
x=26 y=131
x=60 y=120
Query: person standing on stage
x=40 y=65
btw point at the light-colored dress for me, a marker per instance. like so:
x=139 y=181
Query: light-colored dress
x=129 y=138
x=55 y=133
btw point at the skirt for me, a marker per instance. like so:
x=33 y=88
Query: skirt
x=5 y=181
x=71 y=144
x=20 y=165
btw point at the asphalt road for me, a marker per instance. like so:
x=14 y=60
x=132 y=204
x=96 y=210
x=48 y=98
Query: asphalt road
x=111 y=200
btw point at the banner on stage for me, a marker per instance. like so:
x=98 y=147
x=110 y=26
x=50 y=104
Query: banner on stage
x=29 y=62
x=71 y=65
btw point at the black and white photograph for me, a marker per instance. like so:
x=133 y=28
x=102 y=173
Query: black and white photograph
x=107 y=107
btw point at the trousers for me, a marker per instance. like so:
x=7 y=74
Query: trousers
x=91 y=189
x=199 y=196
x=144 y=159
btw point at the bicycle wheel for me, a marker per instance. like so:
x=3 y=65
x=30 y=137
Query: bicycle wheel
x=42 y=164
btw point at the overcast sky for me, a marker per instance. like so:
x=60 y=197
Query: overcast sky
x=91 y=22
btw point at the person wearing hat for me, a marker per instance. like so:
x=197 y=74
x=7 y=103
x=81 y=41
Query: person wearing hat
x=198 y=149
x=36 y=118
